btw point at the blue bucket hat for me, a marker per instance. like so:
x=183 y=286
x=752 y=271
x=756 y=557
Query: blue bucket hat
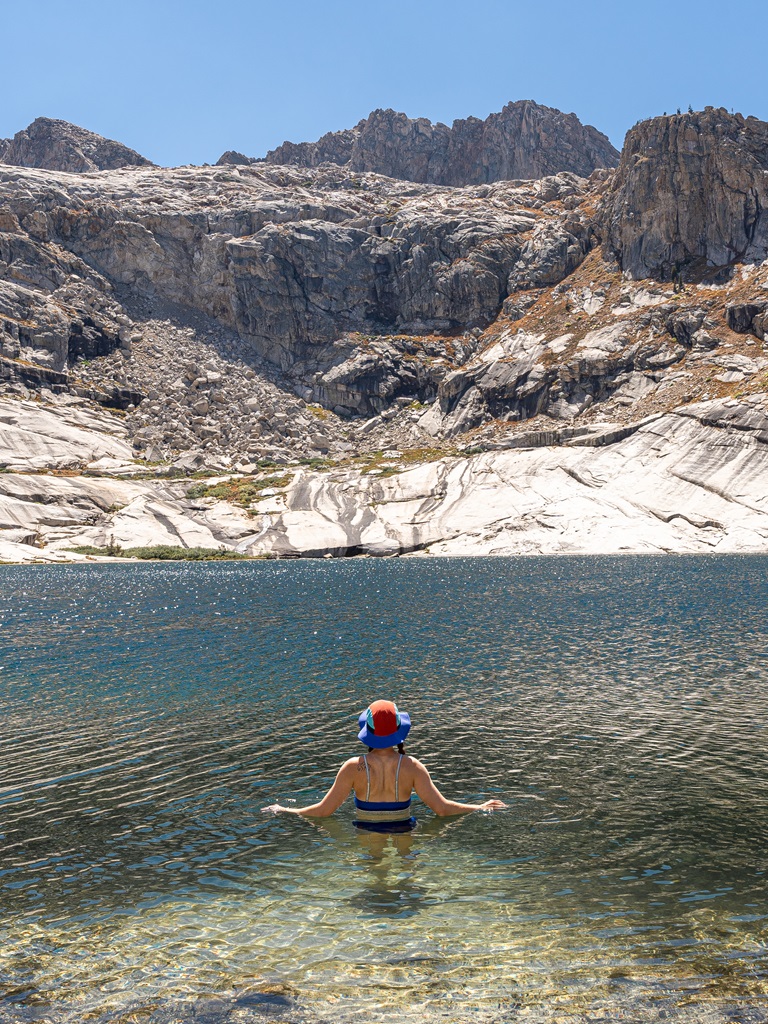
x=382 y=725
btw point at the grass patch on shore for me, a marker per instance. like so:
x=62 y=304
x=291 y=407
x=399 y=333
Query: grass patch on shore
x=161 y=473
x=412 y=456
x=390 y=465
x=242 y=491
x=163 y=553
x=319 y=412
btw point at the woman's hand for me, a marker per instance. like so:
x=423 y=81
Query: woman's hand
x=492 y=805
x=276 y=809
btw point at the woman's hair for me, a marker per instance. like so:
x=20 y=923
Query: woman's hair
x=400 y=748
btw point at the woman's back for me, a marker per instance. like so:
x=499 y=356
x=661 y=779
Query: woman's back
x=383 y=791
x=384 y=777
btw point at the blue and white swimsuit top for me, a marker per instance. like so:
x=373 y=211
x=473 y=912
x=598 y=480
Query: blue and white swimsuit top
x=382 y=812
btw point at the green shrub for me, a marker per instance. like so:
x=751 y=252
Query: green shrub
x=163 y=553
x=169 y=553
x=240 y=491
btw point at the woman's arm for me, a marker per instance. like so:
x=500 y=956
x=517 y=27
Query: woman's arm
x=433 y=798
x=332 y=800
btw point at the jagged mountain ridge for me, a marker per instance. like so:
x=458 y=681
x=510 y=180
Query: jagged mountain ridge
x=301 y=264
x=524 y=140
x=61 y=146
x=218 y=304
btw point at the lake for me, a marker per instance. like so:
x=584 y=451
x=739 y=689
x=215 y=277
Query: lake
x=619 y=706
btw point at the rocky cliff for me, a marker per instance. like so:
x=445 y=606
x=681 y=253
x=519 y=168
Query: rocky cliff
x=524 y=140
x=690 y=196
x=60 y=146
x=294 y=261
x=377 y=365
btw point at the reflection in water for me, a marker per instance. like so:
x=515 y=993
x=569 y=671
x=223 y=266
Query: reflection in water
x=617 y=705
x=393 y=890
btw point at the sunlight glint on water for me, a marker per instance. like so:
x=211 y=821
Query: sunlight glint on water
x=618 y=705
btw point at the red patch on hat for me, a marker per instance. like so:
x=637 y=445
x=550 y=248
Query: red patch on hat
x=384 y=715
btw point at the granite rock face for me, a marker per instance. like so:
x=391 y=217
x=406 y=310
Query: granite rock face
x=54 y=306
x=692 y=479
x=292 y=260
x=232 y=157
x=249 y=318
x=689 y=480
x=62 y=436
x=524 y=374
x=60 y=146
x=524 y=140
x=690 y=196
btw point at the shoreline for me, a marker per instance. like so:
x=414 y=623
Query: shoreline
x=689 y=481
x=422 y=556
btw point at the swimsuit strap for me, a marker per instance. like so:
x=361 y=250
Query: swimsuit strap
x=368 y=777
x=397 y=779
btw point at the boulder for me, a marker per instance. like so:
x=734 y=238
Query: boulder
x=748 y=317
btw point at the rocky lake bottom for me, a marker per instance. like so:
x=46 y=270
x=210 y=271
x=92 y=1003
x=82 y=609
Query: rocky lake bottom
x=617 y=704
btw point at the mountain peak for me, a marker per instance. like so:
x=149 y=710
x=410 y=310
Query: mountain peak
x=60 y=146
x=524 y=140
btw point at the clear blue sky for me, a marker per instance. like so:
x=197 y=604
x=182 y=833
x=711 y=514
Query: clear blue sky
x=183 y=80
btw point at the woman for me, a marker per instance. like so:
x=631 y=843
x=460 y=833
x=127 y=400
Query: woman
x=384 y=778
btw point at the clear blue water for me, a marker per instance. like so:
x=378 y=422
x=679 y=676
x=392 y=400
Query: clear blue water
x=149 y=711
